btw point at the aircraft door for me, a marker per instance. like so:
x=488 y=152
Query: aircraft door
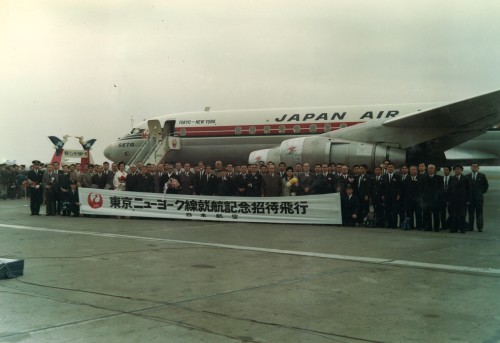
x=169 y=128
x=155 y=131
x=174 y=143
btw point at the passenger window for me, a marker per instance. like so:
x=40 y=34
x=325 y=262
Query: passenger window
x=237 y=130
x=267 y=130
x=313 y=128
x=252 y=130
x=327 y=128
x=183 y=132
x=296 y=129
x=281 y=129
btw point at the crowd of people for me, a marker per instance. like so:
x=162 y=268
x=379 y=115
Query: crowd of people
x=414 y=197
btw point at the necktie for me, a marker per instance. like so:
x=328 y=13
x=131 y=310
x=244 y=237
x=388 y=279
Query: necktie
x=390 y=177
x=474 y=176
x=446 y=182
x=359 y=181
x=413 y=178
x=272 y=175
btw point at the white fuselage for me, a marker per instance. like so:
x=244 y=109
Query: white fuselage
x=232 y=135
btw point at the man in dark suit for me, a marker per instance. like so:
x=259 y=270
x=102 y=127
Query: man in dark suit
x=363 y=190
x=458 y=195
x=131 y=180
x=410 y=197
x=35 y=180
x=253 y=182
x=145 y=181
x=240 y=181
x=200 y=180
x=419 y=210
x=306 y=179
x=350 y=207
x=100 y=179
x=49 y=181
x=186 y=179
x=405 y=178
x=159 y=178
x=64 y=184
x=479 y=186
x=345 y=179
x=432 y=185
x=377 y=197
x=168 y=174
x=444 y=198
x=225 y=184
x=391 y=193
x=57 y=193
x=320 y=182
x=73 y=199
x=208 y=185
x=110 y=175
x=272 y=183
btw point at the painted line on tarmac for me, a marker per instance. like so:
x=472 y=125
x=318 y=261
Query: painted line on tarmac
x=385 y=261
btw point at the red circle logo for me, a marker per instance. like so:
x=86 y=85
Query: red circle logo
x=95 y=200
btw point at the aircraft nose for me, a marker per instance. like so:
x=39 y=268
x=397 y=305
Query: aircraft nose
x=108 y=150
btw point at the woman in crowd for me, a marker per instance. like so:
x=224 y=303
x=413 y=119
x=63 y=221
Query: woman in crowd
x=120 y=177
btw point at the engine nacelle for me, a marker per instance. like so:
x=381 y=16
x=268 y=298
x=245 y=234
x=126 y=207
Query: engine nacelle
x=327 y=150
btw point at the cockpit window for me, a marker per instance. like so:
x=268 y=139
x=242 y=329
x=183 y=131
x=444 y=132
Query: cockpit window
x=135 y=131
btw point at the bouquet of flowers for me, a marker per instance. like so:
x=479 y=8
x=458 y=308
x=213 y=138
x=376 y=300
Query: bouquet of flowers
x=292 y=181
x=293 y=184
x=172 y=183
x=121 y=179
x=33 y=184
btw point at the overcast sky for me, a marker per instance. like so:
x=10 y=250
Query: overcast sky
x=60 y=60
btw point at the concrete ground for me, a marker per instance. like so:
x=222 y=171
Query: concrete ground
x=132 y=280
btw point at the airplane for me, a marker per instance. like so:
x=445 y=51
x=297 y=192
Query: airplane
x=361 y=134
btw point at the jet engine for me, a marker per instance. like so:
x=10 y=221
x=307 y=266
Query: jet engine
x=328 y=150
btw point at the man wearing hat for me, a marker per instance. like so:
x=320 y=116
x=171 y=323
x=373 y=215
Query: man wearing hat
x=458 y=195
x=35 y=177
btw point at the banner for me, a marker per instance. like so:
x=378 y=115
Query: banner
x=76 y=153
x=311 y=209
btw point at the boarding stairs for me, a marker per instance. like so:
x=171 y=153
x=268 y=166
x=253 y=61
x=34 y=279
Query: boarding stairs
x=157 y=145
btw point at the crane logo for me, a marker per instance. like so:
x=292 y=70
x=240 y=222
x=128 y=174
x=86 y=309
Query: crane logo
x=292 y=149
x=95 y=200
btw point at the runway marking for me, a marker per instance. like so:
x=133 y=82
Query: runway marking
x=385 y=261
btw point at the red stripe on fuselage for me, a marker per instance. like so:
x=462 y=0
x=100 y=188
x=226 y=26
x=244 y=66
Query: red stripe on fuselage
x=271 y=129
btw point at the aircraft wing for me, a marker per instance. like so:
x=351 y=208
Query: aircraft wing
x=440 y=128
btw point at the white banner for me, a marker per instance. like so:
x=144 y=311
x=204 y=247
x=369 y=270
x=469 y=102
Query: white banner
x=311 y=209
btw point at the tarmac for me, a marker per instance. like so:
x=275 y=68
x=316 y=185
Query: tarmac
x=138 y=280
